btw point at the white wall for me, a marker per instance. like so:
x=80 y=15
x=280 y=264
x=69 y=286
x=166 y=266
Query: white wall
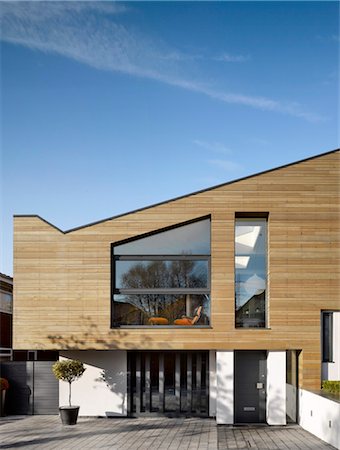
x=212 y=383
x=320 y=416
x=225 y=387
x=276 y=388
x=102 y=390
x=331 y=371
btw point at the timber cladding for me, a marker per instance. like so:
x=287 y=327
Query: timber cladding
x=62 y=282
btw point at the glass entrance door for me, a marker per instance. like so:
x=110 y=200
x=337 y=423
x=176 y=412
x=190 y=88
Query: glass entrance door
x=168 y=383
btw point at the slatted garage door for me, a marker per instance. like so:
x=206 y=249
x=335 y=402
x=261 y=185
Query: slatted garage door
x=33 y=387
x=46 y=389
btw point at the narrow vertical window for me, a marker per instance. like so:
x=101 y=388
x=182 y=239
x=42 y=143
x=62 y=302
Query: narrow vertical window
x=250 y=272
x=327 y=337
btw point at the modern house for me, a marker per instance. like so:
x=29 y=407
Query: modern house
x=223 y=303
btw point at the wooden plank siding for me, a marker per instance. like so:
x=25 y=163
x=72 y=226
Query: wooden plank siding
x=62 y=280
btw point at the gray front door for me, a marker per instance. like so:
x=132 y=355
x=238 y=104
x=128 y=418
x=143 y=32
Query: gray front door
x=250 y=386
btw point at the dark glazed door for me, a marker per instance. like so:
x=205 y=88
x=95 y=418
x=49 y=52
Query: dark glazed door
x=250 y=386
x=170 y=383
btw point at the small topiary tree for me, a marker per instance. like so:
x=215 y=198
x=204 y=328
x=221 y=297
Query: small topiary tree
x=68 y=370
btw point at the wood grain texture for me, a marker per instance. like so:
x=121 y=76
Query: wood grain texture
x=62 y=280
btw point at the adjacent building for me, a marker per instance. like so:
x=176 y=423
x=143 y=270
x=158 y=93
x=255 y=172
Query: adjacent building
x=219 y=303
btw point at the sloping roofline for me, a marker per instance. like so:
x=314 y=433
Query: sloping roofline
x=180 y=197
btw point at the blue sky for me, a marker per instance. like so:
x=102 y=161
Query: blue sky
x=109 y=107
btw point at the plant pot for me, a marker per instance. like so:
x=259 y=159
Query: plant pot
x=69 y=414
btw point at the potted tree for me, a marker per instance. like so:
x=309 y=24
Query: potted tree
x=68 y=370
x=4 y=385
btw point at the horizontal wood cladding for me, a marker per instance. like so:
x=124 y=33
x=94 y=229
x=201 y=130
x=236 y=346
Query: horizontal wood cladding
x=62 y=280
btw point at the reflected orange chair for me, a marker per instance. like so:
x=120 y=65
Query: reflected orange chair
x=190 y=320
x=158 y=321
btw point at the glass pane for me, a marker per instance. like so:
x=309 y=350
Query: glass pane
x=327 y=337
x=170 y=404
x=154 y=382
x=161 y=274
x=250 y=272
x=184 y=383
x=161 y=309
x=6 y=302
x=192 y=239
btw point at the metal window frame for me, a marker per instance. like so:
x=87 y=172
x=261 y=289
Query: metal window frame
x=205 y=290
x=155 y=291
x=249 y=217
x=327 y=357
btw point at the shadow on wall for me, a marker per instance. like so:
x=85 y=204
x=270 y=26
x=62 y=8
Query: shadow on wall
x=276 y=407
x=224 y=392
x=91 y=339
x=102 y=389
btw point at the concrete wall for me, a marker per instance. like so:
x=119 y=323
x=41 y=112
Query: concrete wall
x=276 y=388
x=102 y=390
x=225 y=387
x=331 y=371
x=320 y=416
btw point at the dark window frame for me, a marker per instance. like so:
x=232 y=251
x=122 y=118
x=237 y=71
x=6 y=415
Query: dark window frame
x=246 y=215
x=171 y=257
x=327 y=343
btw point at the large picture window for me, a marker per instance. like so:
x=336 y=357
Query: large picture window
x=250 y=272
x=163 y=278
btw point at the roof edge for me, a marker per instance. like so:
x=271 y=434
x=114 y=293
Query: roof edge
x=43 y=220
x=180 y=197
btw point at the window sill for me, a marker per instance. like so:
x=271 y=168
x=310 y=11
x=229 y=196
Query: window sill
x=252 y=328
x=156 y=327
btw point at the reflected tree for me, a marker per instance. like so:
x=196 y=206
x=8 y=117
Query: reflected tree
x=163 y=275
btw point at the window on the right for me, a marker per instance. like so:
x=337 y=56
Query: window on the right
x=250 y=272
x=327 y=336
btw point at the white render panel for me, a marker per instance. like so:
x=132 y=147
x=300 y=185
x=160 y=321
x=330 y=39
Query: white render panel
x=102 y=390
x=225 y=387
x=320 y=416
x=276 y=388
x=331 y=371
x=212 y=383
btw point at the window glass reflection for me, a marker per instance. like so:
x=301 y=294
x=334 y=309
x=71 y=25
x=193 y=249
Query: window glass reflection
x=250 y=272
x=192 y=239
x=164 y=274
x=161 y=309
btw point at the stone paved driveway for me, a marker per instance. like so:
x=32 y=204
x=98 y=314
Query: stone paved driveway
x=46 y=433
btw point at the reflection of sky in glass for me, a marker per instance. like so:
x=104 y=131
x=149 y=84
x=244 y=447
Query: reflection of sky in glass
x=199 y=271
x=250 y=259
x=187 y=239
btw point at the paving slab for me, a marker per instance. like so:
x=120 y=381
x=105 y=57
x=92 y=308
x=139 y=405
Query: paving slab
x=156 y=433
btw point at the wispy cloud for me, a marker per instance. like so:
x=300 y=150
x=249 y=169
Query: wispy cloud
x=223 y=164
x=215 y=147
x=227 y=57
x=90 y=33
